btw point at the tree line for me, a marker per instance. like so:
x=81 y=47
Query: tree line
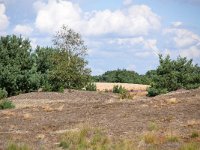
x=63 y=65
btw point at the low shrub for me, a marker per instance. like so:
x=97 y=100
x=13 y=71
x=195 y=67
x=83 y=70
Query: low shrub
x=6 y=104
x=124 y=94
x=3 y=93
x=47 y=87
x=91 y=87
x=118 y=89
x=153 y=91
x=152 y=126
x=194 y=134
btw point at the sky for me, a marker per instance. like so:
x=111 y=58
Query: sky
x=119 y=34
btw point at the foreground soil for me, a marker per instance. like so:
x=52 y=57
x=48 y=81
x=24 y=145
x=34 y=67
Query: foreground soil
x=40 y=119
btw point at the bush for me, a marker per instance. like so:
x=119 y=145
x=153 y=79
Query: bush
x=118 y=89
x=6 y=104
x=172 y=75
x=124 y=94
x=153 y=91
x=91 y=87
x=3 y=94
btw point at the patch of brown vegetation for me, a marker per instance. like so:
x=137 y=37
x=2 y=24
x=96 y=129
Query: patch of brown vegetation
x=174 y=114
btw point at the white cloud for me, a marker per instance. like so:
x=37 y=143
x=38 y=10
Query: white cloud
x=177 y=24
x=147 y=46
x=24 y=30
x=55 y=13
x=4 y=21
x=182 y=37
x=135 y=20
x=127 y=2
x=192 y=52
x=186 y=43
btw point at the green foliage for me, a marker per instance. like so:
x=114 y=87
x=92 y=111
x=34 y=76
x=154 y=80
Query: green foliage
x=124 y=94
x=174 y=74
x=91 y=87
x=17 y=69
x=153 y=91
x=6 y=104
x=118 y=89
x=194 y=135
x=51 y=68
x=3 y=93
x=69 y=65
x=71 y=75
x=122 y=76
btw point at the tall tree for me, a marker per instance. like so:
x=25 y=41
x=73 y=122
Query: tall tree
x=69 y=69
x=17 y=69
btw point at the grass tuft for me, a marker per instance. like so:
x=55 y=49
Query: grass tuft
x=13 y=146
x=194 y=134
x=6 y=104
x=190 y=146
x=92 y=139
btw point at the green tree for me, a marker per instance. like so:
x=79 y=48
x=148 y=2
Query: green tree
x=69 y=64
x=122 y=76
x=174 y=74
x=17 y=68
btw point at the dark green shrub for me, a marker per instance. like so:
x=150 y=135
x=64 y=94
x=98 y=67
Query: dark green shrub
x=91 y=87
x=153 y=91
x=47 y=87
x=61 y=89
x=172 y=75
x=6 y=104
x=194 y=135
x=3 y=94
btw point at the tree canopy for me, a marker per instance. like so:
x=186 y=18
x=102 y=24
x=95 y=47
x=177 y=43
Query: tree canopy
x=122 y=76
x=174 y=74
x=53 y=68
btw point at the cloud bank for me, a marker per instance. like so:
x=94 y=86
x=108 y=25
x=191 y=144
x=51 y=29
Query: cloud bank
x=135 y=20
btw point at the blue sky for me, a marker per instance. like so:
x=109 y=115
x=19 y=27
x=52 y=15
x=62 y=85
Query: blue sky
x=124 y=34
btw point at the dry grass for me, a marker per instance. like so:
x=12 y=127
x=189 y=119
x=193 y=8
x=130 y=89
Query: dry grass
x=130 y=87
x=93 y=139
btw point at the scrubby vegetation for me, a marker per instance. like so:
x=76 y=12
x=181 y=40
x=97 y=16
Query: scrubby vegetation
x=93 y=139
x=3 y=94
x=13 y=146
x=172 y=75
x=6 y=104
x=124 y=94
x=91 y=87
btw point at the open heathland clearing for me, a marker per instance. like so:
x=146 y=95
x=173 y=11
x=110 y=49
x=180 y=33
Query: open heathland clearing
x=41 y=119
